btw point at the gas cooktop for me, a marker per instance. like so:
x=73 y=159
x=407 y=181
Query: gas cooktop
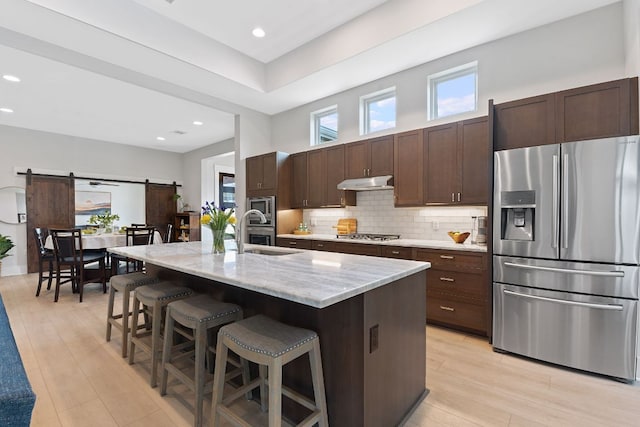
x=368 y=236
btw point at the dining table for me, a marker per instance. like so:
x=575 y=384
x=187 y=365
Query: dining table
x=104 y=240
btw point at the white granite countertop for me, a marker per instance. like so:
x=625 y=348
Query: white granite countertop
x=416 y=243
x=314 y=278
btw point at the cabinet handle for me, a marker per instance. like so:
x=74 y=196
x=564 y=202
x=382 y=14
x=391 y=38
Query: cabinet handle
x=444 y=307
x=447 y=279
x=395 y=252
x=293 y=243
x=364 y=172
x=447 y=257
x=458 y=196
x=368 y=172
x=452 y=197
x=320 y=245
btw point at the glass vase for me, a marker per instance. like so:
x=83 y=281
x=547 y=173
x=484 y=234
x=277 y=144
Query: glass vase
x=218 y=241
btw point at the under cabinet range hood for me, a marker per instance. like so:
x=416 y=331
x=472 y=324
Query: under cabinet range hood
x=384 y=182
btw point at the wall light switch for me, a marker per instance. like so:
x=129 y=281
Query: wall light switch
x=435 y=225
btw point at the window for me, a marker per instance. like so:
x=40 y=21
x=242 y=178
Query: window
x=378 y=111
x=227 y=190
x=453 y=91
x=324 y=125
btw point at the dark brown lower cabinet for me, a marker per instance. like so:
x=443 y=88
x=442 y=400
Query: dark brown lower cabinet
x=457 y=289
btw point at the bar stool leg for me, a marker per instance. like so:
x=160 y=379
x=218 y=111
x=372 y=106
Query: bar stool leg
x=218 y=380
x=275 y=393
x=201 y=350
x=112 y=295
x=166 y=350
x=264 y=393
x=156 y=324
x=134 y=329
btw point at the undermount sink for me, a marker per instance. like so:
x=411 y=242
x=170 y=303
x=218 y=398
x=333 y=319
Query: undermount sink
x=270 y=252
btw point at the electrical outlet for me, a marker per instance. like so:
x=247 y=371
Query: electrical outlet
x=373 y=338
x=435 y=225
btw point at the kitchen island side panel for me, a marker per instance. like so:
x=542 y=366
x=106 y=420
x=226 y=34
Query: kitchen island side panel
x=395 y=371
x=361 y=388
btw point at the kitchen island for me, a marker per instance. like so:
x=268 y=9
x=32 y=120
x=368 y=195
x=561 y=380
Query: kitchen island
x=369 y=313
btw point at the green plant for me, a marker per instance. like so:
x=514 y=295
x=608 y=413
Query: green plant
x=104 y=220
x=176 y=197
x=5 y=246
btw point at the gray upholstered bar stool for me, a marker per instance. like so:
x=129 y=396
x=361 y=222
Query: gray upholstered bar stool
x=199 y=313
x=154 y=298
x=125 y=284
x=272 y=345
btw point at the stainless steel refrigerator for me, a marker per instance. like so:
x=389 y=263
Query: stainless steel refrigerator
x=566 y=244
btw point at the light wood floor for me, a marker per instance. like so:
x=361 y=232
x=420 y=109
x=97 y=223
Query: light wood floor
x=81 y=380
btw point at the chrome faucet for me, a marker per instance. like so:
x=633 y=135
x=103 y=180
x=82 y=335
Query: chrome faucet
x=239 y=241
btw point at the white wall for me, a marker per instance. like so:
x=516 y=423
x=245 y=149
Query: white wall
x=582 y=50
x=631 y=11
x=127 y=201
x=196 y=171
x=22 y=148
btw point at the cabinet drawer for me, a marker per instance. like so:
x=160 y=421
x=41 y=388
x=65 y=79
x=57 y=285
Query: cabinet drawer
x=321 y=245
x=293 y=243
x=455 y=313
x=457 y=282
x=357 y=248
x=397 y=252
x=452 y=259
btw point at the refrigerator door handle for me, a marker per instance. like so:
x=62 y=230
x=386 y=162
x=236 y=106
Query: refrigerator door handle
x=566 y=270
x=564 y=224
x=554 y=240
x=614 y=307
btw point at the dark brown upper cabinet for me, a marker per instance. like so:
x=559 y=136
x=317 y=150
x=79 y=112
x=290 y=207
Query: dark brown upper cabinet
x=474 y=154
x=371 y=157
x=525 y=122
x=589 y=112
x=315 y=177
x=407 y=176
x=299 y=180
x=269 y=175
x=440 y=164
x=334 y=174
x=597 y=111
x=456 y=163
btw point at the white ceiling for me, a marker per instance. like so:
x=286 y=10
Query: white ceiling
x=128 y=71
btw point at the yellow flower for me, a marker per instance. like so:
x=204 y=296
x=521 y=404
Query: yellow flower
x=232 y=220
x=205 y=219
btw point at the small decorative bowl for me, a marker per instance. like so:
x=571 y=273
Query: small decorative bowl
x=458 y=237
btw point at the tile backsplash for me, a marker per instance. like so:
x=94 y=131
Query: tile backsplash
x=376 y=214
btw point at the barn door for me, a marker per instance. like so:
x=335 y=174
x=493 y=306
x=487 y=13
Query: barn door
x=50 y=204
x=160 y=205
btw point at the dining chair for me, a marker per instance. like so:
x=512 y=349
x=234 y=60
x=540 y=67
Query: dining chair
x=67 y=244
x=167 y=237
x=134 y=236
x=44 y=256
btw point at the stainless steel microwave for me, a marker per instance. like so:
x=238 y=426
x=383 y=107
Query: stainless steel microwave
x=266 y=205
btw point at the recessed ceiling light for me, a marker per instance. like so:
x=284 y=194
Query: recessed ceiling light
x=160 y=138
x=198 y=123
x=11 y=78
x=258 y=32
x=6 y=110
